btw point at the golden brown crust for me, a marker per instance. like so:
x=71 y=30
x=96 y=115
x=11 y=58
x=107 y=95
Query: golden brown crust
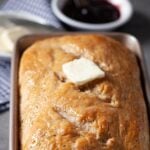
x=105 y=114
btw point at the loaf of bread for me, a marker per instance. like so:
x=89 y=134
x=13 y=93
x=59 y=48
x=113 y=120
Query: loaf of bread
x=107 y=113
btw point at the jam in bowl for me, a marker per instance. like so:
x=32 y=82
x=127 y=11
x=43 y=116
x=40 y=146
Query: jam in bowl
x=98 y=15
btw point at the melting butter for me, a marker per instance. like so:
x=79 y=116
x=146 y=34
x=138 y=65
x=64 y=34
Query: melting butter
x=81 y=71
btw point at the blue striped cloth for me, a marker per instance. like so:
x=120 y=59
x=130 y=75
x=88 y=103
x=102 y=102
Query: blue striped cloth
x=40 y=8
x=4 y=84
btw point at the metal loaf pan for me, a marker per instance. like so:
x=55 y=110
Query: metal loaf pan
x=128 y=40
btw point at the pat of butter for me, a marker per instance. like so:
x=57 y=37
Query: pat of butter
x=9 y=36
x=81 y=71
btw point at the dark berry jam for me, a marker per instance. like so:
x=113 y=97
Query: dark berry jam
x=98 y=11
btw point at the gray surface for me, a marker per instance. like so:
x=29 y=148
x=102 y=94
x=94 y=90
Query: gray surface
x=138 y=26
x=4 y=133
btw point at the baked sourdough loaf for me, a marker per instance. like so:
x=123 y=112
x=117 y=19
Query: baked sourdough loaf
x=104 y=114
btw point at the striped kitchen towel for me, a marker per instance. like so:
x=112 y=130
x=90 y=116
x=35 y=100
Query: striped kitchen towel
x=40 y=8
x=4 y=84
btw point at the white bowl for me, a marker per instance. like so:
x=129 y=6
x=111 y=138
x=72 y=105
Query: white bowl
x=124 y=6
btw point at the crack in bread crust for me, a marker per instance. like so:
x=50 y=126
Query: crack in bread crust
x=105 y=114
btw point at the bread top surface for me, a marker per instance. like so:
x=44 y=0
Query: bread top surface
x=105 y=114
